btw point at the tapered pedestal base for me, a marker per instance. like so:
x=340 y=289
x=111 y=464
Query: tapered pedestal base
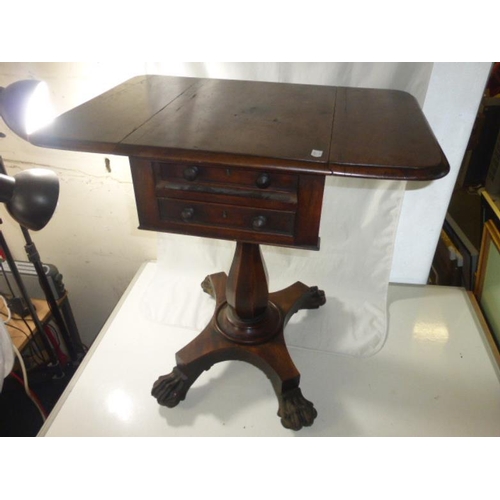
x=268 y=352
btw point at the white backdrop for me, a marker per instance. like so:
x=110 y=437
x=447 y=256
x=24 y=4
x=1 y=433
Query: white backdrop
x=93 y=238
x=358 y=229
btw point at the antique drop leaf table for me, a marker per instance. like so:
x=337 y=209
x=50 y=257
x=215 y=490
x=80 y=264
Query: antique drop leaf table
x=246 y=161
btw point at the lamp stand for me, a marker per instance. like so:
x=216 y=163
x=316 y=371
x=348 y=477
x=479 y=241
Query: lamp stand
x=34 y=258
x=39 y=327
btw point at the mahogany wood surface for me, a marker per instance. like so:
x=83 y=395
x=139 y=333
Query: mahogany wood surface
x=303 y=128
x=396 y=140
x=272 y=356
x=285 y=210
x=247 y=292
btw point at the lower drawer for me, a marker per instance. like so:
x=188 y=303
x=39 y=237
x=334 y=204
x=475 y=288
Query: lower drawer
x=226 y=216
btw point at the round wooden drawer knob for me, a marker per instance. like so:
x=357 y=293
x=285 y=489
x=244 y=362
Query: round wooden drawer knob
x=190 y=173
x=187 y=214
x=263 y=181
x=259 y=222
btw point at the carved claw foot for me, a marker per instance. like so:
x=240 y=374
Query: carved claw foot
x=207 y=287
x=315 y=298
x=295 y=410
x=170 y=389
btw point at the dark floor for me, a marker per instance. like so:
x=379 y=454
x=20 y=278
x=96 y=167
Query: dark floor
x=19 y=417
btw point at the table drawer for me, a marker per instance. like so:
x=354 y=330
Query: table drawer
x=259 y=180
x=243 y=187
x=287 y=213
x=225 y=217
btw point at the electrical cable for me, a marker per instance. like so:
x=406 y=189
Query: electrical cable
x=40 y=361
x=31 y=337
x=61 y=355
x=85 y=348
x=34 y=338
x=7 y=279
x=13 y=294
x=25 y=382
x=55 y=330
x=48 y=346
x=55 y=333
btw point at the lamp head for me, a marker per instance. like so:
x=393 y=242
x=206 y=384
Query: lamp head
x=30 y=196
x=25 y=106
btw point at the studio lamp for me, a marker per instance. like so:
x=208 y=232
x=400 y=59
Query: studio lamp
x=31 y=199
x=25 y=106
x=30 y=196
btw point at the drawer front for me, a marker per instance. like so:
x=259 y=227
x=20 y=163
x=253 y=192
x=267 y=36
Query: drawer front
x=286 y=212
x=226 y=217
x=225 y=176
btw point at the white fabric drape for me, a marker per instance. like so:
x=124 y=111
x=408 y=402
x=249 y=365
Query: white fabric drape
x=353 y=265
x=6 y=353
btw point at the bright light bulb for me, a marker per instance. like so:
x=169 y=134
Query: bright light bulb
x=39 y=109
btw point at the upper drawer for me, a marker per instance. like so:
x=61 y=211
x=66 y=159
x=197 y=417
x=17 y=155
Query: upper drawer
x=261 y=181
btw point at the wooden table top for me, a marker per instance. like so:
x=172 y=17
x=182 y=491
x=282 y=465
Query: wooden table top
x=304 y=128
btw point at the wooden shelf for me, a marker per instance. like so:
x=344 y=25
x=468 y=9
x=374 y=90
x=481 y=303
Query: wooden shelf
x=19 y=332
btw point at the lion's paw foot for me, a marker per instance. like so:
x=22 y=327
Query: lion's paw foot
x=170 y=389
x=313 y=299
x=295 y=410
x=208 y=287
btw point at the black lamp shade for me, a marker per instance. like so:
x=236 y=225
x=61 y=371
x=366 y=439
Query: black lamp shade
x=14 y=100
x=30 y=196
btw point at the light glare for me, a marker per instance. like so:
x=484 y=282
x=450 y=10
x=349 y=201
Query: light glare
x=39 y=110
x=120 y=404
x=431 y=332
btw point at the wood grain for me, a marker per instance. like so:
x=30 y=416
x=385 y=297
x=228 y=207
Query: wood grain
x=297 y=128
x=383 y=134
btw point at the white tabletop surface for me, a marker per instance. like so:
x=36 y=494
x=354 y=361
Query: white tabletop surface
x=435 y=376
